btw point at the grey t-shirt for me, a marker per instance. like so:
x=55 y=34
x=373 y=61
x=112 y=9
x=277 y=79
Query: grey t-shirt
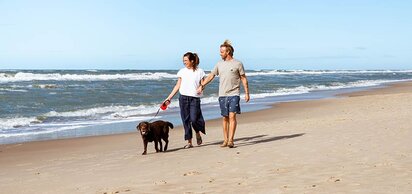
x=229 y=73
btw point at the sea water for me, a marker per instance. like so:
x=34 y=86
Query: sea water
x=54 y=104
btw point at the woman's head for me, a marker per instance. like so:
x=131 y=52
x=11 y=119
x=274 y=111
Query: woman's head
x=191 y=60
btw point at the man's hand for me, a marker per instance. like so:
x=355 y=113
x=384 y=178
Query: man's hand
x=247 y=97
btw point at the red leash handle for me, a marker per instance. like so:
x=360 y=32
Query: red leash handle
x=163 y=106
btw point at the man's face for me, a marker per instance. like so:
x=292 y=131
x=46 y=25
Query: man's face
x=223 y=52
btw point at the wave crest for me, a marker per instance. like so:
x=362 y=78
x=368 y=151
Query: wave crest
x=23 y=76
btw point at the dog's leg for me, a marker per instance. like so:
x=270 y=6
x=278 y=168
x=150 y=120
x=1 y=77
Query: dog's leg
x=145 y=148
x=166 y=143
x=161 y=145
x=156 y=148
x=166 y=135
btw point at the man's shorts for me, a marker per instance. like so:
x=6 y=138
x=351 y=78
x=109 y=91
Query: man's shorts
x=229 y=104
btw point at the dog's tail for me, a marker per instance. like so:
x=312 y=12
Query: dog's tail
x=170 y=124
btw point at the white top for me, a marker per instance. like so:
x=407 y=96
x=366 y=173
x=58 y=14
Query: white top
x=190 y=81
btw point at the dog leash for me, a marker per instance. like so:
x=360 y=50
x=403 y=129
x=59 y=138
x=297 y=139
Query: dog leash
x=163 y=107
x=158 y=110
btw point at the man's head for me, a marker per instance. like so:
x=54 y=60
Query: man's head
x=226 y=50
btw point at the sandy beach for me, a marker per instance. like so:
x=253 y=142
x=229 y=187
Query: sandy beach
x=356 y=143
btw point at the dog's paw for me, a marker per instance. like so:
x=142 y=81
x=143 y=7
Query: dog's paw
x=144 y=153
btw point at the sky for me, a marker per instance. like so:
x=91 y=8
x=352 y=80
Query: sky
x=277 y=34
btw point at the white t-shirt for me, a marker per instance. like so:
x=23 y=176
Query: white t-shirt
x=190 y=81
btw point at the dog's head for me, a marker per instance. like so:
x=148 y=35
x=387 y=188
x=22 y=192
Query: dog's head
x=144 y=128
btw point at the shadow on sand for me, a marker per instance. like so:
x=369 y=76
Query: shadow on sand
x=245 y=141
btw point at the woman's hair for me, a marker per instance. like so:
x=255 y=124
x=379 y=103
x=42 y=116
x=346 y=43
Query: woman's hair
x=228 y=45
x=193 y=58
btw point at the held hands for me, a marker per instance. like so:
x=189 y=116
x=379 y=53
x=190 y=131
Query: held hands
x=200 y=89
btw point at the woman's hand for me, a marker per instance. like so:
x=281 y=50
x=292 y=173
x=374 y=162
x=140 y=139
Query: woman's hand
x=166 y=101
x=200 y=89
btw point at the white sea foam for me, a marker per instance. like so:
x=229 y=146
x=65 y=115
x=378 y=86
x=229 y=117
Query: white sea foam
x=22 y=76
x=208 y=100
x=28 y=131
x=46 y=128
x=107 y=112
x=319 y=72
x=8 y=123
x=307 y=89
x=120 y=112
x=44 y=86
x=91 y=112
x=12 y=90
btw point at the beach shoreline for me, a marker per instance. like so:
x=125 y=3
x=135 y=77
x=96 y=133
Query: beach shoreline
x=60 y=104
x=354 y=144
x=210 y=112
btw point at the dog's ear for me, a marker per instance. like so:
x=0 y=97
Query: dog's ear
x=138 y=126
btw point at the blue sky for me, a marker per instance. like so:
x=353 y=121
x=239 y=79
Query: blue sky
x=278 y=34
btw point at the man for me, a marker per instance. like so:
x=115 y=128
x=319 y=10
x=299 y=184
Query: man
x=231 y=73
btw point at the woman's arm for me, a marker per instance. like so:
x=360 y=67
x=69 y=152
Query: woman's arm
x=174 y=91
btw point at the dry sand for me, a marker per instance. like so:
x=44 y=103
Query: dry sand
x=356 y=144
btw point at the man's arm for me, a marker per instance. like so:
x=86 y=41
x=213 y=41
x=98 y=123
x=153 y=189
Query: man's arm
x=208 y=79
x=245 y=86
x=204 y=82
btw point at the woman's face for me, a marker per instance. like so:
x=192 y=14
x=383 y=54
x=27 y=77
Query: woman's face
x=187 y=62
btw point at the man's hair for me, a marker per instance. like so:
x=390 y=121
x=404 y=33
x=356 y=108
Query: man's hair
x=228 y=45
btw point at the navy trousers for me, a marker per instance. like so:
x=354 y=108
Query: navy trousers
x=191 y=115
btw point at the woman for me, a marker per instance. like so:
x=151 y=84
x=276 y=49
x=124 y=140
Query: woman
x=188 y=81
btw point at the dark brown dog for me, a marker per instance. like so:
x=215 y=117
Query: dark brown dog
x=155 y=131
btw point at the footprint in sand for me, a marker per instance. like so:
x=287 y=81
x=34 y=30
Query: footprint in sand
x=120 y=190
x=333 y=179
x=161 y=182
x=191 y=173
x=280 y=170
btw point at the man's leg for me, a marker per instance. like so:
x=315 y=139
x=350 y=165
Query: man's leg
x=232 y=127
x=225 y=124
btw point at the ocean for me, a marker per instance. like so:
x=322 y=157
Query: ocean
x=55 y=104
